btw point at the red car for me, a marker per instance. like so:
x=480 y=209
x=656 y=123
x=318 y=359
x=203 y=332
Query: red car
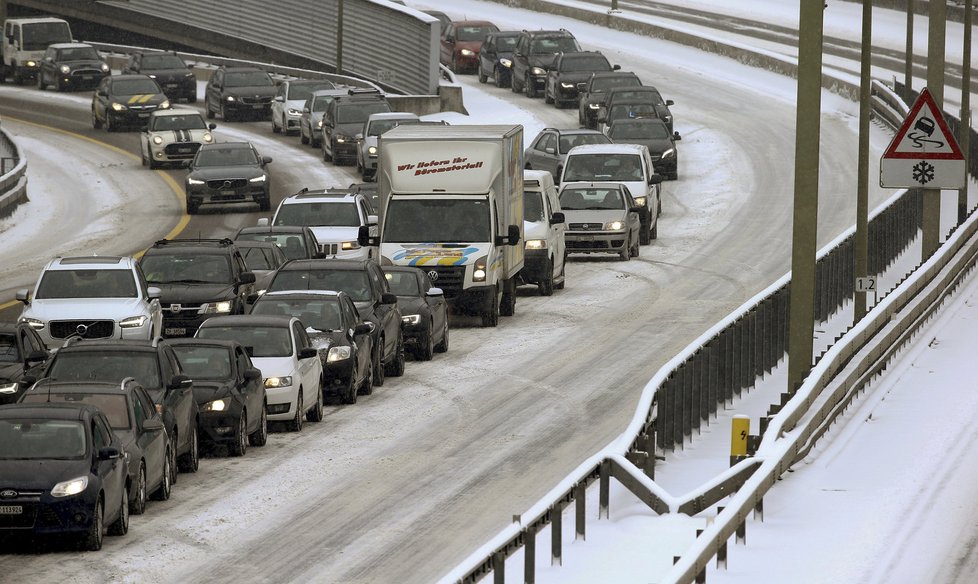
x=461 y=42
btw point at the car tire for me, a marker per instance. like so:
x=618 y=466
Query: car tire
x=396 y=366
x=316 y=413
x=209 y=111
x=315 y=142
x=513 y=85
x=276 y=129
x=645 y=235
x=547 y=98
x=121 y=524
x=109 y=126
x=138 y=506
x=626 y=251
x=454 y=65
x=529 y=89
x=426 y=344
x=332 y=152
x=349 y=393
x=226 y=114
x=635 y=250
x=563 y=275
x=653 y=232
x=192 y=98
x=507 y=306
x=378 y=364
x=193 y=206
x=190 y=460
x=260 y=436
x=303 y=138
x=482 y=76
x=367 y=385
x=239 y=445
x=92 y=540
x=40 y=82
x=295 y=424
x=96 y=123
x=264 y=204
x=162 y=493
x=490 y=318
x=442 y=346
x=546 y=285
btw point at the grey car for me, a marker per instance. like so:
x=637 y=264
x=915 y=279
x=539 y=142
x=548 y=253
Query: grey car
x=601 y=217
x=311 y=117
x=653 y=133
x=228 y=172
x=549 y=149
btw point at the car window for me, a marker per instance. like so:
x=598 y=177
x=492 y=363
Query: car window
x=113 y=405
x=590 y=63
x=506 y=44
x=473 y=33
x=225 y=157
x=357 y=113
x=304 y=90
x=8 y=349
x=134 y=87
x=318 y=214
x=633 y=131
x=403 y=283
x=575 y=199
x=34 y=439
x=164 y=268
x=606 y=83
x=353 y=282
x=79 y=54
x=553 y=45
x=301 y=338
x=178 y=122
x=163 y=62
x=256 y=258
x=533 y=206
x=86 y=284
x=547 y=141
x=204 y=361
x=611 y=167
x=247 y=79
x=568 y=141
x=242 y=360
x=322 y=314
x=99 y=437
x=264 y=341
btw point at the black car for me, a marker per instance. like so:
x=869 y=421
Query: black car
x=336 y=329
x=496 y=57
x=424 y=311
x=71 y=66
x=653 y=134
x=22 y=355
x=228 y=172
x=199 y=278
x=343 y=120
x=61 y=472
x=533 y=55
x=364 y=281
x=298 y=242
x=168 y=69
x=126 y=101
x=155 y=367
x=135 y=423
x=634 y=96
x=568 y=71
x=239 y=92
x=229 y=392
x=593 y=93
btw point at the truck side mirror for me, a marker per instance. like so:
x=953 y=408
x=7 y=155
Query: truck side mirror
x=365 y=239
x=512 y=236
x=655 y=179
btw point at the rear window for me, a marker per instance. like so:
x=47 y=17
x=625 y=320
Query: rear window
x=262 y=341
x=115 y=406
x=109 y=366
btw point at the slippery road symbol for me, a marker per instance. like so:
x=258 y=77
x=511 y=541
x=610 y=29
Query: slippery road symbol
x=924 y=129
x=923 y=172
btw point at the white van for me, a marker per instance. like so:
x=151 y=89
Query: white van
x=24 y=43
x=629 y=164
x=545 y=253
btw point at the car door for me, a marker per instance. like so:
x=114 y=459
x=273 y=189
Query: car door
x=212 y=93
x=152 y=443
x=388 y=315
x=437 y=305
x=252 y=390
x=179 y=400
x=487 y=56
x=360 y=342
x=112 y=472
x=278 y=102
x=310 y=368
x=100 y=99
x=544 y=153
x=447 y=44
x=557 y=230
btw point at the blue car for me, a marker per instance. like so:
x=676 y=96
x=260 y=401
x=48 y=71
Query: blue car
x=62 y=471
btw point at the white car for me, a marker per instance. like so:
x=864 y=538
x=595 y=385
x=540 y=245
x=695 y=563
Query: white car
x=173 y=136
x=629 y=164
x=376 y=125
x=545 y=251
x=289 y=363
x=93 y=297
x=291 y=96
x=335 y=217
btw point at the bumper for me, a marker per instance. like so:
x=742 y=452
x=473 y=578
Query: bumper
x=281 y=403
x=473 y=300
x=183 y=326
x=567 y=94
x=337 y=374
x=176 y=152
x=596 y=242
x=129 y=118
x=47 y=515
x=535 y=263
x=291 y=123
x=370 y=166
x=239 y=108
x=345 y=150
x=25 y=72
x=219 y=426
x=539 y=82
x=466 y=62
x=247 y=194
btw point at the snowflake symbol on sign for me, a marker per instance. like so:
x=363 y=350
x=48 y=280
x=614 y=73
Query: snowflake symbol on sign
x=923 y=172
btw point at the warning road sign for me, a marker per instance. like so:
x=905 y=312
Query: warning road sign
x=923 y=153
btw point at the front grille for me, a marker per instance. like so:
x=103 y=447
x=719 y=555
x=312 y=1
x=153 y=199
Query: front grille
x=23 y=520
x=450 y=278
x=223 y=184
x=182 y=149
x=87 y=329
x=585 y=226
x=48 y=518
x=143 y=108
x=329 y=248
x=598 y=245
x=176 y=310
x=82 y=72
x=261 y=100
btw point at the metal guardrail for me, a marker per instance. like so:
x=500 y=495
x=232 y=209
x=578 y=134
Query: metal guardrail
x=13 y=175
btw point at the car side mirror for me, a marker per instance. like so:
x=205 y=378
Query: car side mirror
x=581 y=86
x=251 y=374
x=263 y=222
x=670 y=102
x=28 y=380
x=676 y=137
x=279 y=99
x=364 y=328
x=388 y=298
x=24 y=295
x=549 y=150
x=153 y=425
x=305 y=110
x=638 y=210
x=246 y=278
x=655 y=179
x=212 y=126
x=372 y=219
x=36 y=357
x=251 y=298
x=154 y=293
x=616 y=67
x=436 y=292
x=144 y=129
x=180 y=382
x=308 y=353
x=109 y=453
x=557 y=218
x=266 y=159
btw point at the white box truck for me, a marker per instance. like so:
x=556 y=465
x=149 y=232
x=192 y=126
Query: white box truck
x=451 y=203
x=24 y=43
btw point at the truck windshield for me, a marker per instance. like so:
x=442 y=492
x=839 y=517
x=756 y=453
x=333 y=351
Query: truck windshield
x=38 y=35
x=437 y=221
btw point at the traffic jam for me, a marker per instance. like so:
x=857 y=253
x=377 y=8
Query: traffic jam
x=121 y=373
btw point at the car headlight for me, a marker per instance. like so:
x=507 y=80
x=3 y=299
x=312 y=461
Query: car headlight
x=151 y=76
x=8 y=388
x=208 y=137
x=667 y=119
x=218 y=405
x=640 y=201
x=319 y=124
x=71 y=487
x=105 y=68
x=614 y=225
x=506 y=63
x=188 y=74
x=338 y=354
x=133 y=321
x=31 y=63
x=567 y=85
x=258 y=179
x=193 y=181
x=230 y=98
x=669 y=153
x=165 y=104
x=594 y=106
x=273 y=382
x=479 y=274
x=343 y=138
x=467 y=52
x=348 y=245
x=372 y=150
x=411 y=319
x=157 y=140
x=118 y=107
x=293 y=112
x=538 y=71
x=65 y=69
x=222 y=307
x=536 y=244
x=34 y=323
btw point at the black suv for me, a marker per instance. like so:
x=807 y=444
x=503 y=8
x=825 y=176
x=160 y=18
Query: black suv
x=238 y=92
x=534 y=53
x=593 y=93
x=168 y=69
x=154 y=366
x=228 y=173
x=199 y=278
x=22 y=355
x=366 y=285
x=568 y=71
x=298 y=242
x=344 y=119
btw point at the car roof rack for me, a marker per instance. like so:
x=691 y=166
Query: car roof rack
x=363 y=91
x=72 y=340
x=222 y=241
x=126 y=381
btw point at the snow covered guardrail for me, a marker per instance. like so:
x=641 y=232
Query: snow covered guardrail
x=13 y=175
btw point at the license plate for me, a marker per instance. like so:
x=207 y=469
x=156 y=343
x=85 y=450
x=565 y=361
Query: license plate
x=587 y=238
x=184 y=150
x=11 y=509
x=171 y=86
x=229 y=193
x=88 y=77
x=146 y=115
x=175 y=331
x=257 y=106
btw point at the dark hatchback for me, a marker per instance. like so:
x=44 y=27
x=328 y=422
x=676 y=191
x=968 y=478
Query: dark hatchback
x=238 y=92
x=297 y=242
x=61 y=473
x=424 y=310
x=126 y=101
x=22 y=355
x=229 y=392
x=71 y=66
x=654 y=135
x=569 y=70
x=336 y=329
x=228 y=172
x=631 y=99
x=168 y=69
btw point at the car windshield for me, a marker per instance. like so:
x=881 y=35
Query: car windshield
x=262 y=341
x=318 y=214
x=575 y=199
x=321 y=102
x=568 y=141
x=292 y=244
x=8 y=349
x=248 y=79
x=162 y=62
x=637 y=131
x=506 y=44
x=437 y=221
x=203 y=361
x=597 y=167
x=606 y=83
x=34 y=439
x=178 y=122
x=646 y=93
x=86 y=284
x=357 y=113
x=115 y=406
x=322 y=314
x=79 y=54
x=562 y=44
x=590 y=63
x=38 y=35
x=353 y=282
x=257 y=259
x=103 y=365
x=187 y=268
x=631 y=110
x=378 y=127
x=403 y=283
x=473 y=33
x=225 y=157
x=532 y=206
x=135 y=87
x=304 y=90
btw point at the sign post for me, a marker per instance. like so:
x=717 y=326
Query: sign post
x=923 y=153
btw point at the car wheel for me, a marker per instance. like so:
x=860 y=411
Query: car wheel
x=529 y=88
x=654 y=231
x=507 y=307
x=426 y=344
x=260 y=436
x=378 y=365
x=295 y=424
x=316 y=413
x=142 y=158
x=162 y=493
x=193 y=206
x=40 y=82
x=192 y=98
x=315 y=142
x=547 y=98
x=190 y=460
x=96 y=123
x=121 y=524
x=264 y=204
x=490 y=317
x=626 y=251
x=349 y=391
x=226 y=114
x=367 y=385
x=546 y=286
x=454 y=64
x=276 y=129
x=497 y=78
x=645 y=234
x=482 y=76
x=396 y=367
x=513 y=85
x=109 y=126
x=210 y=112
x=442 y=346
x=239 y=445
x=635 y=250
x=138 y=506
x=303 y=138
x=92 y=540
x=563 y=275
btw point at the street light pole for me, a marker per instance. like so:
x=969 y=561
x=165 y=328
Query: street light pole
x=862 y=187
x=339 y=38
x=937 y=25
x=964 y=138
x=908 y=57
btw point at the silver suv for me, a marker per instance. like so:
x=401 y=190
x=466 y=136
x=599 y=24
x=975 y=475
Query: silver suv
x=95 y=297
x=335 y=217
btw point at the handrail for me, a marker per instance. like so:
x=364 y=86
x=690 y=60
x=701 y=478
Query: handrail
x=13 y=178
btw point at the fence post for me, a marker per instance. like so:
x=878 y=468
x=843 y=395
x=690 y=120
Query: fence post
x=498 y=568
x=530 y=555
x=556 y=523
x=580 y=501
x=604 y=488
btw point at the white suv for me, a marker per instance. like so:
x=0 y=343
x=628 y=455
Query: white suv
x=335 y=217
x=95 y=297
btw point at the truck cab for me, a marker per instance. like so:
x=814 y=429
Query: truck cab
x=24 y=43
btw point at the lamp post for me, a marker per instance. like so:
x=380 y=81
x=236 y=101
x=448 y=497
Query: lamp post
x=931 y=237
x=908 y=56
x=339 y=38
x=964 y=138
x=862 y=187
